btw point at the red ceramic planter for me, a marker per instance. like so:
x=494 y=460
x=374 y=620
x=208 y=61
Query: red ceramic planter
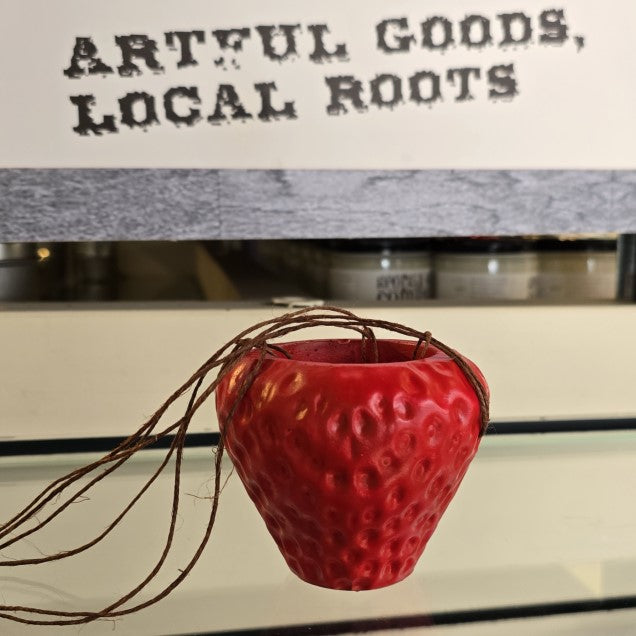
x=350 y=463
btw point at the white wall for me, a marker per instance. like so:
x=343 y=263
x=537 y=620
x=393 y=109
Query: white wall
x=78 y=373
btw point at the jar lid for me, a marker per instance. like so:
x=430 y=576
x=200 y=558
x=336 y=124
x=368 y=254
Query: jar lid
x=17 y=251
x=484 y=245
x=556 y=244
x=379 y=246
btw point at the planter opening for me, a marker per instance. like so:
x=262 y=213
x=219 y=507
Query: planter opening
x=351 y=351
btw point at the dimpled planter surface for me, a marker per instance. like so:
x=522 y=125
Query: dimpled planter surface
x=351 y=464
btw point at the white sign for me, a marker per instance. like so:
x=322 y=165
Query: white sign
x=351 y=84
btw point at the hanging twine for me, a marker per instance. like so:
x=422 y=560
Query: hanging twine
x=257 y=338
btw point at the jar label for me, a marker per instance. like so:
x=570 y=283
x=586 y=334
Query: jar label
x=383 y=285
x=555 y=286
x=481 y=286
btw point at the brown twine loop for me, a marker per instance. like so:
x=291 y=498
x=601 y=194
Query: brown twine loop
x=426 y=340
x=256 y=337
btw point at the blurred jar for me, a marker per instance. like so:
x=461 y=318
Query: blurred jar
x=577 y=269
x=18 y=271
x=486 y=269
x=316 y=268
x=53 y=264
x=293 y=261
x=626 y=258
x=94 y=271
x=268 y=254
x=393 y=270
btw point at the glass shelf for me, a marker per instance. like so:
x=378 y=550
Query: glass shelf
x=543 y=524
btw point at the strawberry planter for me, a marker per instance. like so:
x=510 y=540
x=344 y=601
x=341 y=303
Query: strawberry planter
x=350 y=462
x=350 y=449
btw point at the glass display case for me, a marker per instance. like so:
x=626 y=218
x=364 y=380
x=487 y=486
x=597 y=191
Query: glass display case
x=538 y=529
x=537 y=539
x=173 y=173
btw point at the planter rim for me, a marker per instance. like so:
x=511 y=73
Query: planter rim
x=432 y=353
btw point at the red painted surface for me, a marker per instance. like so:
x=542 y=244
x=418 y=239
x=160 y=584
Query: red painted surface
x=351 y=464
